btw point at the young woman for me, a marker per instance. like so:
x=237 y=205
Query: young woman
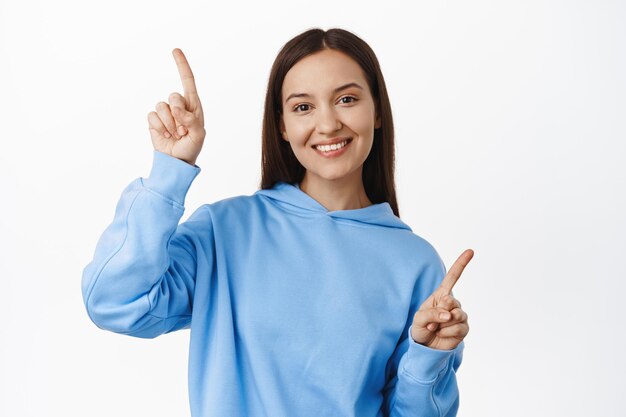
x=310 y=297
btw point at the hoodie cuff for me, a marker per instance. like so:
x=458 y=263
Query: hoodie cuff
x=171 y=177
x=423 y=363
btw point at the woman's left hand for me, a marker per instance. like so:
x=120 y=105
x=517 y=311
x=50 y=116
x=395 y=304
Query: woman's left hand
x=429 y=327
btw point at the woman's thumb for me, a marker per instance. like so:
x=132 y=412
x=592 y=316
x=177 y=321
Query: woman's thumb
x=431 y=315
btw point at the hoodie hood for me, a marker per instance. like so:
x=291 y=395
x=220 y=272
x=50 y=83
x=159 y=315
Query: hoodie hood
x=291 y=198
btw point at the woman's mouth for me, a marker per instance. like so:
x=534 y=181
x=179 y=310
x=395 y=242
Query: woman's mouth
x=331 y=151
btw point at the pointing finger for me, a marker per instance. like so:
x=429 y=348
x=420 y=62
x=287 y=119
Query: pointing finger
x=456 y=270
x=186 y=76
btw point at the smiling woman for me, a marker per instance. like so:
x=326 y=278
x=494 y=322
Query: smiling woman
x=339 y=119
x=310 y=297
x=326 y=88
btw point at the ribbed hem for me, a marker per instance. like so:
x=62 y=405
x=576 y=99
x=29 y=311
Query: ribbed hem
x=171 y=177
x=424 y=363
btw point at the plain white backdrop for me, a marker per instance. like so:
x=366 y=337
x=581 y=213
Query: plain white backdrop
x=510 y=131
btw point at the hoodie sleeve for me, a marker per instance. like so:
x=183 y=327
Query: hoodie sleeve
x=141 y=279
x=421 y=381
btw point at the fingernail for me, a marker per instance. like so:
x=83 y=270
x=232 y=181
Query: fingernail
x=167 y=134
x=444 y=316
x=181 y=130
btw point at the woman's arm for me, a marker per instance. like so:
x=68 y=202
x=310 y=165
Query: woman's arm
x=142 y=276
x=421 y=381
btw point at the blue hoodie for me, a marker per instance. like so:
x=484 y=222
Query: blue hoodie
x=293 y=310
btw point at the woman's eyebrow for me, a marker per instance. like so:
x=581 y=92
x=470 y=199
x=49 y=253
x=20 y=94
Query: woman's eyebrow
x=336 y=90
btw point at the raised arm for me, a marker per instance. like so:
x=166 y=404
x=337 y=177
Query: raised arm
x=141 y=279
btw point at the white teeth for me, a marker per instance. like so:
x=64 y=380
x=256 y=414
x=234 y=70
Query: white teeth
x=333 y=147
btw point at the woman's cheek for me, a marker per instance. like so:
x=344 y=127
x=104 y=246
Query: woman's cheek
x=361 y=121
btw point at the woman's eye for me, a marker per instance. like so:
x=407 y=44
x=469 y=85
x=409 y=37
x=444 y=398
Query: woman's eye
x=299 y=106
x=353 y=99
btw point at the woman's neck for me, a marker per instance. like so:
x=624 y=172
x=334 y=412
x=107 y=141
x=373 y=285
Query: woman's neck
x=346 y=193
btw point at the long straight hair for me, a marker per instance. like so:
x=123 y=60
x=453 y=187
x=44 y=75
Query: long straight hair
x=279 y=163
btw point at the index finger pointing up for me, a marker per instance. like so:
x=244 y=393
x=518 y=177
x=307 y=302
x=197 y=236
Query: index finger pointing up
x=456 y=270
x=186 y=76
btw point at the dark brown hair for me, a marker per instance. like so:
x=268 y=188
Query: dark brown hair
x=278 y=160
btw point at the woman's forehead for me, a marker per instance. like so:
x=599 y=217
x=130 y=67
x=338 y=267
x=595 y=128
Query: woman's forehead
x=322 y=73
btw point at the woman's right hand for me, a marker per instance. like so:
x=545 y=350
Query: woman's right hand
x=177 y=128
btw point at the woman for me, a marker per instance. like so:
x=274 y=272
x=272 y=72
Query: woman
x=310 y=297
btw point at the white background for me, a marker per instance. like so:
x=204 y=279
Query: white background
x=510 y=129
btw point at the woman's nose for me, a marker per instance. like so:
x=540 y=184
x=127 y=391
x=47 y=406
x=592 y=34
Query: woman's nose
x=327 y=121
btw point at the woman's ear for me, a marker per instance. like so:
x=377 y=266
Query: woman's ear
x=378 y=123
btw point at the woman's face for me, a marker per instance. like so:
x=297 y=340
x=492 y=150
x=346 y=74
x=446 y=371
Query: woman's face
x=326 y=98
